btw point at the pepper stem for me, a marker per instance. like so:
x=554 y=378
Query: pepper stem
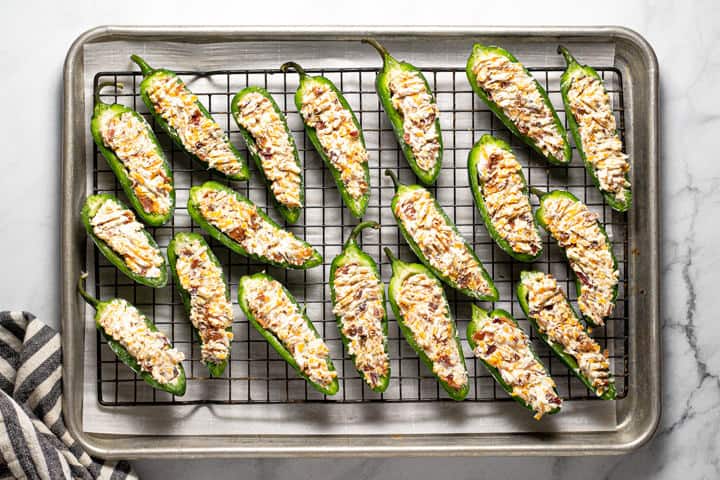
x=537 y=192
x=479 y=313
x=566 y=54
x=83 y=293
x=102 y=85
x=144 y=67
x=359 y=228
x=393 y=177
x=378 y=46
x=390 y=255
x=293 y=66
x=395 y=262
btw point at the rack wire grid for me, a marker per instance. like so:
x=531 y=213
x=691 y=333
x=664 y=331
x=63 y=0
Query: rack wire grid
x=255 y=372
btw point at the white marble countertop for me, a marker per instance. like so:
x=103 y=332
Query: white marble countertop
x=34 y=37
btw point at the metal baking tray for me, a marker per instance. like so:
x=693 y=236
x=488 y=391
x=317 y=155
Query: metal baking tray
x=259 y=377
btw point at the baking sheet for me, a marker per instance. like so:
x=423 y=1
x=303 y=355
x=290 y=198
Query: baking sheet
x=381 y=419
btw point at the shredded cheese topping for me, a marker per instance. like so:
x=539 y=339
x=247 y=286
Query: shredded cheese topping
x=412 y=100
x=508 y=207
x=200 y=135
x=425 y=312
x=555 y=318
x=210 y=310
x=273 y=146
x=117 y=227
x=500 y=343
x=152 y=350
x=338 y=135
x=576 y=230
x=275 y=312
x=358 y=303
x=129 y=139
x=242 y=222
x=590 y=105
x=509 y=86
x=443 y=248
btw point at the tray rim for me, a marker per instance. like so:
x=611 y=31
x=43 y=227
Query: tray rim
x=629 y=435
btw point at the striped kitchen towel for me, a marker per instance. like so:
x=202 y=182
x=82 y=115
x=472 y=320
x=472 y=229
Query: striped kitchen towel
x=33 y=440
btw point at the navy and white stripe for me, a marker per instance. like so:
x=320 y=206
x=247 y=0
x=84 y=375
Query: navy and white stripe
x=34 y=442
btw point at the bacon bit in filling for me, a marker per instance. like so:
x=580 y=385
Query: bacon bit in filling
x=501 y=344
x=199 y=134
x=129 y=139
x=242 y=222
x=555 y=318
x=425 y=313
x=516 y=93
x=272 y=144
x=210 y=310
x=358 y=302
x=591 y=108
x=152 y=350
x=275 y=312
x=577 y=231
x=338 y=135
x=118 y=228
x=411 y=98
x=444 y=249
x=509 y=208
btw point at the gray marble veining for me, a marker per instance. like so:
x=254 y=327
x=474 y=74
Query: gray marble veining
x=686 y=37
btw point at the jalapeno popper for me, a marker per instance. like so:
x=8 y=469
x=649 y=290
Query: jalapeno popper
x=592 y=124
x=588 y=250
x=136 y=341
x=335 y=132
x=418 y=301
x=135 y=156
x=435 y=240
x=411 y=107
x=123 y=240
x=201 y=284
x=274 y=312
x=358 y=298
x=268 y=138
x=188 y=123
x=240 y=225
x=505 y=350
x=549 y=311
x=501 y=195
x=519 y=101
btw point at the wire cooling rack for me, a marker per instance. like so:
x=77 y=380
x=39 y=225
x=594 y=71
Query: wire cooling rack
x=255 y=373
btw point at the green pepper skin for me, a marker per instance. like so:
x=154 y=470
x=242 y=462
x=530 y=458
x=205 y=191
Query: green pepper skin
x=216 y=369
x=399 y=190
x=352 y=253
x=290 y=215
x=357 y=207
x=217 y=234
x=92 y=204
x=495 y=108
x=275 y=342
x=177 y=388
x=540 y=219
x=101 y=109
x=574 y=70
x=473 y=159
x=568 y=360
x=149 y=74
x=401 y=271
x=382 y=85
x=478 y=317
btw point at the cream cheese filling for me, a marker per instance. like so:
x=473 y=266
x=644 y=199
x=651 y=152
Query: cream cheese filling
x=338 y=135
